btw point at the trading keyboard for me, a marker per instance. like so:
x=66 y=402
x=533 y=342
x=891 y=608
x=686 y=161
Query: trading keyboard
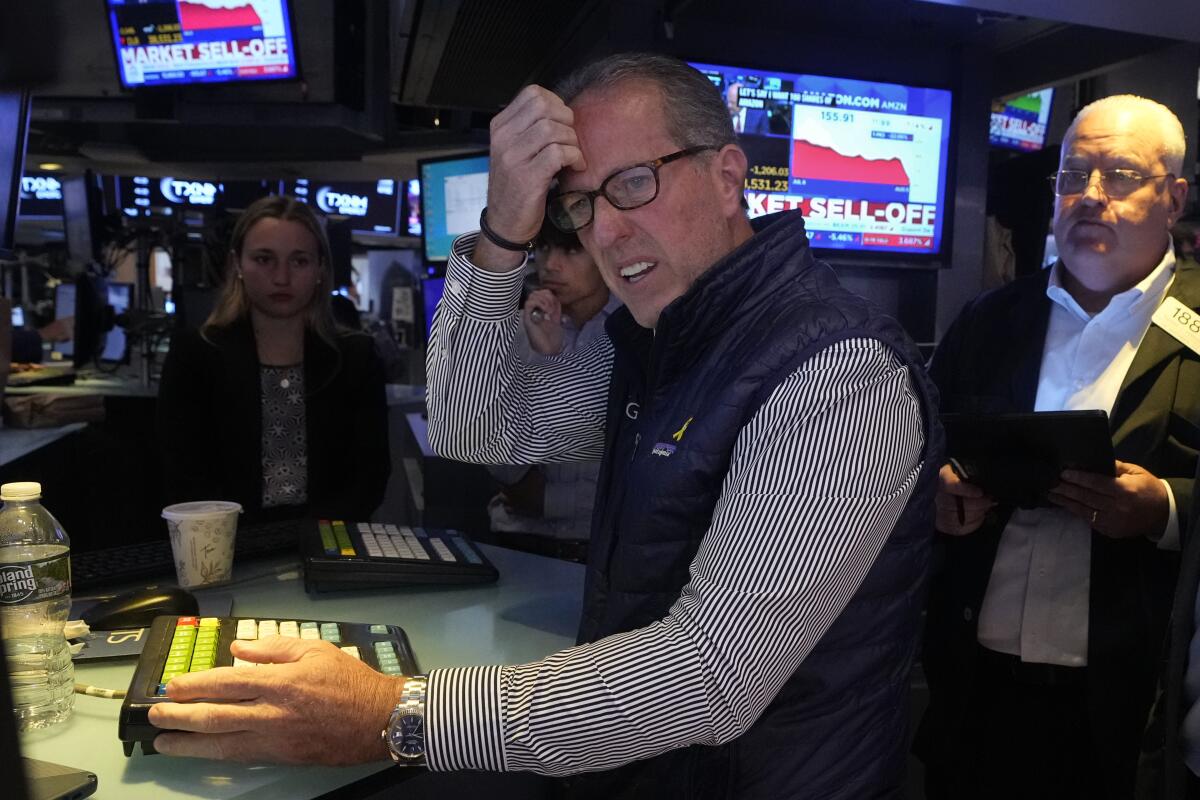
x=177 y=645
x=153 y=559
x=355 y=555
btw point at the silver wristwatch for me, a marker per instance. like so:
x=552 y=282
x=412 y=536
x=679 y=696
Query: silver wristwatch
x=405 y=731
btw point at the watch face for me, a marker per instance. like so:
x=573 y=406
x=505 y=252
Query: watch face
x=408 y=736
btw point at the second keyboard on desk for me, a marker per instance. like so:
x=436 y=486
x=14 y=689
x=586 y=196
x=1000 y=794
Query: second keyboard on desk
x=358 y=555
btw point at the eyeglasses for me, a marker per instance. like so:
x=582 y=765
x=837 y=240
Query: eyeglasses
x=1114 y=182
x=627 y=189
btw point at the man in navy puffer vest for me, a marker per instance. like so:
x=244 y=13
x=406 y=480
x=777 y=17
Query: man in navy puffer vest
x=764 y=510
x=754 y=626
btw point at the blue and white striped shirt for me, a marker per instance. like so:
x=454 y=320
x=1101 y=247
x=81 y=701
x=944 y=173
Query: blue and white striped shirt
x=820 y=475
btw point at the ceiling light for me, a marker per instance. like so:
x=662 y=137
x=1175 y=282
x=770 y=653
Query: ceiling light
x=50 y=166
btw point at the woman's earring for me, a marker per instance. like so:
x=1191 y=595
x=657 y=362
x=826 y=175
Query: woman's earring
x=239 y=274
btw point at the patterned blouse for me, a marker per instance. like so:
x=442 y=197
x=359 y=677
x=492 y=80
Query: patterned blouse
x=284 y=437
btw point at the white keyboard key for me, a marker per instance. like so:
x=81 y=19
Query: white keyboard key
x=310 y=633
x=267 y=627
x=247 y=629
x=241 y=662
x=289 y=629
x=364 y=527
x=391 y=529
x=352 y=650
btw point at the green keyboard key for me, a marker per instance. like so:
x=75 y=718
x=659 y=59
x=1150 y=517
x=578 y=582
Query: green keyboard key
x=343 y=538
x=327 y=540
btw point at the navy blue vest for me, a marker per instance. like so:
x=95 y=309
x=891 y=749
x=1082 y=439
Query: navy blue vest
x=838 y=727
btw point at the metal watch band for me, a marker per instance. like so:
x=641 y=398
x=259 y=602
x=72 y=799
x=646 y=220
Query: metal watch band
x=412 y=703
x=412 y=698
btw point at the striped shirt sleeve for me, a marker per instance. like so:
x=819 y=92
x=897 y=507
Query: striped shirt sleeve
x=486 y=403
x=818 y=478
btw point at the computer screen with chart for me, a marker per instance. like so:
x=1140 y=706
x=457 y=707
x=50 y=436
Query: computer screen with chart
x=865 y=161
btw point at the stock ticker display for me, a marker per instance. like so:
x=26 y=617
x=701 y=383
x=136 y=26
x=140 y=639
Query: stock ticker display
x=865 y=161
x=160 y=42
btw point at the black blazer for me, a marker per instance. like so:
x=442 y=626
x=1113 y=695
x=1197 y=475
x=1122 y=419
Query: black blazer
x=210 y=423
x=989 y=361
x=1163 y=772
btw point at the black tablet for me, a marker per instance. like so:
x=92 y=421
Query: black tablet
x=1017 y=458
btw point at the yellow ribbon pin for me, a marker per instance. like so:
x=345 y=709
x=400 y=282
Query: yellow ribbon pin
x=678 y=435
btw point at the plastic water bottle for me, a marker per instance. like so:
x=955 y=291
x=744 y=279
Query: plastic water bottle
x=35 y=601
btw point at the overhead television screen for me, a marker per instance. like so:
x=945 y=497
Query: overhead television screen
x=139 y=195
x=453 y=192
x=1020 y=123
x=372 y=206
x=163 y=42
x=865 y=161
x=41 y=196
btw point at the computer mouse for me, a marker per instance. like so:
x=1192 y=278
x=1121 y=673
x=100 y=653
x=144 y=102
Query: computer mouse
x=137 y=609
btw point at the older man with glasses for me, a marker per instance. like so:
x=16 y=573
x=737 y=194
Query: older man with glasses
x=1046 y=625
x=764 y=513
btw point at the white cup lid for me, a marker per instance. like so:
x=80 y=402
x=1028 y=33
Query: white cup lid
x=23 y=490
x=200 y=508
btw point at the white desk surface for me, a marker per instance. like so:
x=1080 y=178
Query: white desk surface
x=533 y=610
x=19 y=442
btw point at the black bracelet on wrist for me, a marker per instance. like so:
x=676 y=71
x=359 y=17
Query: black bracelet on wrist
x=499 y=240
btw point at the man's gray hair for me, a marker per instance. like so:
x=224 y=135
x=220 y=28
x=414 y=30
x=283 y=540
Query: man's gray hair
x=1174 y=142
x=693 y=107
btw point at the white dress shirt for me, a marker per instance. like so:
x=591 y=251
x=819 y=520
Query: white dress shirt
x=1036 y=605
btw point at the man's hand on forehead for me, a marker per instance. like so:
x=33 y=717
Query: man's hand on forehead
x=532 y=140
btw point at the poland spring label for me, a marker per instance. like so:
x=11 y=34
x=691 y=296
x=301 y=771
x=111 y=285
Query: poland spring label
x=35 y=581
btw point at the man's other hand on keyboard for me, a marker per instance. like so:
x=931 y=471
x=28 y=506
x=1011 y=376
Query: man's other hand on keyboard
x=301 y=702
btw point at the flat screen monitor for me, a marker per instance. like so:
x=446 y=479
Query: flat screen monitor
x=865 y=161
x=64 y=308
x=83 y=217
x=412 y=207
x=172 y=42
x=85 y=301
x=431 y=291
x=1020 y=123
x=371 y=206
x=139 y=195
x=453 y=193
x=116 y=345
x=14 y=125
x=41 y=196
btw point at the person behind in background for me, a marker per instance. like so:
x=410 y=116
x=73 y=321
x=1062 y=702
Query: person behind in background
x=552 y=502
x=1045 y=625
x=269 y=404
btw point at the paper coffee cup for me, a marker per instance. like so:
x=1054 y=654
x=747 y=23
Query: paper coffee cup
x=202 y=535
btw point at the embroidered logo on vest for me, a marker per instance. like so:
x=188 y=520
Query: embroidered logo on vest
x=663 y=449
